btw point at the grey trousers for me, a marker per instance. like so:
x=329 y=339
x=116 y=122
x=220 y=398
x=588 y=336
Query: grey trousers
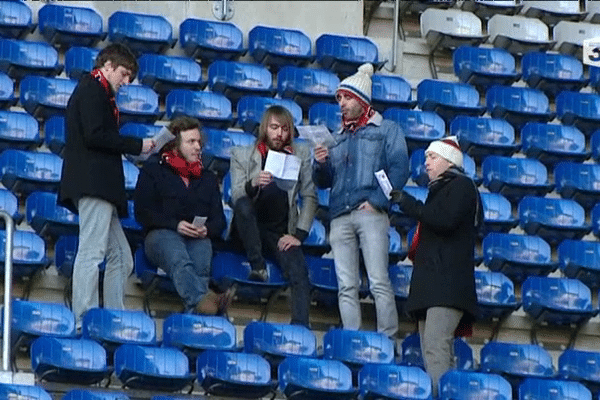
x=437 y=341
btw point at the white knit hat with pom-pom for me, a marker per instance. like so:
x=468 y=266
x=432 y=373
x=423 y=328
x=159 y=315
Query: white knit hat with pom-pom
x=359 y=83
x=449 y=149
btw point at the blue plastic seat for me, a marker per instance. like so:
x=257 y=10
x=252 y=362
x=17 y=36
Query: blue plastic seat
x=211 y=39
x=391 y=91
x=580 y=259
x=26 y=171
x=448 y=99
x=48 y=218
x=582 y=366
x=400 y=276
x=212 y=109
x=302 y=378
x=497 y=213
x=29 y=254
x=65 y=251
x=399 y=219
x=70 y=26
x=19 y=58
x=495 y=294
x=80 y=61
x=18 y=130
x=518 y=34
x=596 y=220
x=396 y=251
x=54 y=134
x=484 y=67
x=316 y=242
x=553 y=143
x=43 y=97
x=152 y=368
x=133 y=230
x=142 y=33
x=552 y=219
x=344 y=54
x=553 y=73
x=420 y=127
x=164 y=73
x=86 y=394
x=466 y=385
x=515 y=177
x=517 y=256
x=412 y=356
x=279 y=47
x=138 y=130
x=553 y=389
x=223 y=373
x=323 y=280
x=580 y=182
x=307 y=86
x=217 y=147
x=480 y=137
x=12 y=390
x=581 y=110
x=594 y=73
x=80 y=361
x=16 y=19
x=10 y=204
x=251 y=108
x=518 y=105
x=450 y=29
x=377 y=381
x=595 y=145
x=138 y=103
x=130 y=172
x=237 y=79
x=7 y=91
x=152 y=279
x=327 y=114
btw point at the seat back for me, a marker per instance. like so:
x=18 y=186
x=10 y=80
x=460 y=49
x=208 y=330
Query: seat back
x=149 y=360
x=485 y=131
x=464 y=385
x=517 y=27
x=186 y=331
x=310 y=81
x=551 y=212
x=28 y=248
x=222 y=74
x=431 y=92
x=317 y=374
x=576 y=175
x=420 y=125
x=246 y=368
x=119 y=326
x=31 y=165
x=54 y=133
x=347 y=48
x=496 y=208
x=80 y=60
x=576 y=364
x=517 y=248
x=177 y=70
x=452 y=22
x=520 y=99
x=68 y=19
x=391 y=89
x=197 y=104
x=27 y=54
x=278 y=41
x=18 y=126
x=400 y=276
x=494 y=288
x=211 y=34
x=139 y=27
x=85 y=394
x=16 y=19
x=522 y=171
x=552 y=137
x=43 y=205
x=42 y=319
x=585 y=105
x=469 y=59
x=16 y=391
x=68 y=354
x=516 y=359
x=533 y=388
x=412 y=355
x=279 y=339
x=9 y=203
x=395 y=381
x=549 y=65
x=65 y=250
x=7 y=89
x=556 y=293
x=327 y=114
x=40 y=90
x=137 y=99
x=358 y=347
x=578 y=253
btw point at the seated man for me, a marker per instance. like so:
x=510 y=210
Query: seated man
x=266 y=216
x=172 y=190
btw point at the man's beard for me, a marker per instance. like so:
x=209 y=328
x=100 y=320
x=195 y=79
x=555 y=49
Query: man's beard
x=277 y=146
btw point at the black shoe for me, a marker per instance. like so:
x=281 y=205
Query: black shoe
x=258 y=275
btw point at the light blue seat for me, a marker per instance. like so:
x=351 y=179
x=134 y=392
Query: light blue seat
x=12 y=390
x=518 y=34
x=551 y=13
x=580 y=182
x=211 y=39
x=396 y=251
x=66 y=25
x=217 y=147
x=48 y=218
x=327 y=114
x=26 y=171
x=466 y=385
x=29 y=255
x=323 y=281
x=580 y=259
x=65 y=250
x=517 y=256
x=279 y=47
x=237 y=79
x=480 y=137
x=19 y=58
x=518 y=105
x=18 y=130
x=152 y=368
x=130 y=172
x=133 y=230
x=10 y=204
x=484 y=67
x=316 y=242
x=420 y=127
x=307 y=86
x=594 y=77
x=7 y=91
x=552 y=219
x=412 y=355
x=495 y=294
x=391 y=91
x=377 y=381
x=450 y=29
x=497 y=213
x=553 y=73
x=212 y=109
x=138 y=103
x=139 y=130
x=596 y=220
x=555 y=389
x=54 y=133
x=43 y=97
x=16 y=19
x=251 y=108
x=88 y=394
x=344 y=54
x=79 y=61
x=142 y=33
x=164 y=73
x=553 y=143
x=448 y=99
x=400 y=276
x=581 y=110
x=582 y=366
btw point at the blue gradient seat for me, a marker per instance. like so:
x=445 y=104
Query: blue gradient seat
x=138 y=103
x=448 y=99
x=16 y=19
x=237 y=79
x=44 y=97
x=497 y=213
x=212 y=109
x=518 y=105
x=19 y=131
x=344 y=54
x=480 y=137
x=495 y=294
x=26 y=171
x=279 y=47
x=66 y=25
x=19 y=58
x=80 y=61
x=378 y=381
x=7 y=91
x=420 y=127
x=307 y=86
x=484 y=67
x=142 y=33
x=211 y=39
x=465 y=385
x=580 y=260
x=391 y=91
x=515 y=177
x=164 y=73
x=48 y=218
x=553 y=143
x=553 y=73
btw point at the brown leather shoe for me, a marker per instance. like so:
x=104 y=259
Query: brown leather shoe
x=208 y=304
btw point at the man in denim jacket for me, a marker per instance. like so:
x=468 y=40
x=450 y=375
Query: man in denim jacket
x=359 y=208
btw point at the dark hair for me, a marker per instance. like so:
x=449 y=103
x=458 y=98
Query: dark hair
x=118 y=54
x=282 y=114
x=178 y=125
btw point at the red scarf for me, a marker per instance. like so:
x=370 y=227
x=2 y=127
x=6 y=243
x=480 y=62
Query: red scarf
x=354 y=124
x=182 y=167
x=99 y=76
x=263 y=149
x=412 y=250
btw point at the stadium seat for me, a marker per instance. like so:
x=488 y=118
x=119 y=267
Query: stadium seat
x=552 y=12
x=517 y=256
x=582 y=366
x=43 y=97
x=80 y=61
x=217 y=147
x=18 y=391
x=323 y=281
x=18 y=130
x=552 y=219
x=10 y=204
x=302 y=378
x=66 y=25
x=553 y=73
x=400 y=276
x=316 y=241
x=580 y=182
x=142 y=33
x=152 y=368
x=211 y=39
x=130 y=172
x=212 y=109
x=138 y=103
x=396 y=251
x=138 y=130
x=19 y=58
x=448 y=99
x=480 y=137
x=327 y=114
x=466 y=385
x=595 y=145
x=26 y=171
x=518 y=105
x=90 y=394
x=7 y=91
x=29 y=255
x=484 y=67
x=596 y=220
x=251 y=108
x=54 y=134
x=344 y=54
x=414 y=6
x=450 y=29
x=553 y=143
x=133 y=230
x=222 y=373
x=379 y=381
x=485 y=9
x=278 y=47
x=164 y=73
x=518 y=34
x=569 y=36
x=580 y=259
x=47 y=218
x=307 y=86
x=399 y=219
x=412 y=356
x=80 y=361
x=420 y=127
x=391 y=91
x=152 y=279
x=497 y=213
x=495 y=295
x=237 y=79
x=16 y=19
x=553 y=389
x=581 y=110
x=65 y=250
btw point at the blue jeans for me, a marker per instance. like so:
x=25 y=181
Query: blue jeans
x=369 y=230
x=186 y=260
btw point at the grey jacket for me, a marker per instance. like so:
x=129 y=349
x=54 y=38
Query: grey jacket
x=246 y=163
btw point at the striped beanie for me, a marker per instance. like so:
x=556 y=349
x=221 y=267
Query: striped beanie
x=448 y=149
x=360 y=83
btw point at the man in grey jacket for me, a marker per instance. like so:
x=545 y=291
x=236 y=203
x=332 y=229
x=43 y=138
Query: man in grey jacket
x=266 y=216
x=358 y=206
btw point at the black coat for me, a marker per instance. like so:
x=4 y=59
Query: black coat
x=443 y=273
x=92 y=163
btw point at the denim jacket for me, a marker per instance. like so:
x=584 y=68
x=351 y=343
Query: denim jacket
x=354 y=159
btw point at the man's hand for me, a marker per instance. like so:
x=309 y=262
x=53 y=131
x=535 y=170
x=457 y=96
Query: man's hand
x=366 y=206
x=321 y=153
x=263 y=179
x=286 y=242
x=187 y=229
x=147 y=145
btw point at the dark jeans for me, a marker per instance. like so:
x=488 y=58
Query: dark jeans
x=257 y=239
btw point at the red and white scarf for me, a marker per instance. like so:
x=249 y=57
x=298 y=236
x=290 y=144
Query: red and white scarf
x=182 y=167
x=354 y=124
x=99 y=76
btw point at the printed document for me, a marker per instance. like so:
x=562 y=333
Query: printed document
x=317 y=134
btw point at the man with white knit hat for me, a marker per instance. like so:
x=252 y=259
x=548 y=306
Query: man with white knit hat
x=358 y=206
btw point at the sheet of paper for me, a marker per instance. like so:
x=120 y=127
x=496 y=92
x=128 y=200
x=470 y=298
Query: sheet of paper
x=283 y=166
x=317 y=134
x=384 y=183
x=199 y=221
x=163 y=137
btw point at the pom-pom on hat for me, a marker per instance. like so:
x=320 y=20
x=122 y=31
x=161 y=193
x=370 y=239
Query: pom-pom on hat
x=448 y=149
x=360 y=83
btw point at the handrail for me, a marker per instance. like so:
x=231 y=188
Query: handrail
x=10 y=226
